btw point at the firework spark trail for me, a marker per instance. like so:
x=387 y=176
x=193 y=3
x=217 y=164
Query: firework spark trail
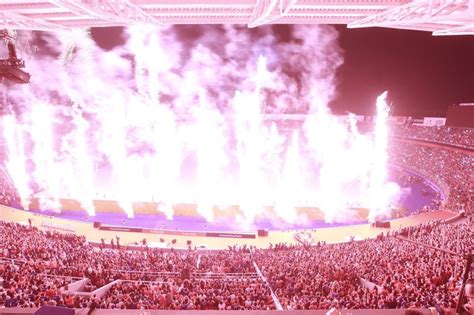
x=250 y=133
x=166 y=159
x=291 y=187
x=84 y=163
x=16 y=162
x=112 y=141
x=77 y=170
x=150 y=106
x=249 y=156
x=210 y=146
x=378 y=190
x=46 y=173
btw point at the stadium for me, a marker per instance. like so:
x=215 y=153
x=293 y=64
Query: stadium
x=177 y=157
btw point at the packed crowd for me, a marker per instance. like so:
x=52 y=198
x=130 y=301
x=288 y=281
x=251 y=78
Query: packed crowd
x=190 y=294
x=317 y=277
x=331 y=275
x=232 y=261
x=36 y=267
x=457 y=238
x=69 y=256
x=444 y=167
x=462 y=137
x=24 y=285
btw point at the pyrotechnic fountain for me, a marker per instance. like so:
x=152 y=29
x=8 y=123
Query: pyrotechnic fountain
x=176 y=124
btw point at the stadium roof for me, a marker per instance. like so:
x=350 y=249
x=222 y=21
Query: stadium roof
x=442 y=17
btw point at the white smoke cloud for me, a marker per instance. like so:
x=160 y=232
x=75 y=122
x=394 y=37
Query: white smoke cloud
x=178 y=114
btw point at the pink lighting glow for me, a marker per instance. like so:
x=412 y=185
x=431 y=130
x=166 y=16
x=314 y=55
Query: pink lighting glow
x=179 y=123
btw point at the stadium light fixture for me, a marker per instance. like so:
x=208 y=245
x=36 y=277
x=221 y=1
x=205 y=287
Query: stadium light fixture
x=10 y=68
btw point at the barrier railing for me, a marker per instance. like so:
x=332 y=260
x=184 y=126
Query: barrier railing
x=49 y=275
x=157 y=274
x=428 y=245
x=13 y=260
x=151 y=273
x=274 y=296
x=77 y=286
x=213 y=275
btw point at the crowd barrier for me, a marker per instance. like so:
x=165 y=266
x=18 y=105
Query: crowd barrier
x=213 y=275
x=428 y=245
x=77 y=286
x=329 y=235
x=175 y=232
x=102 y=291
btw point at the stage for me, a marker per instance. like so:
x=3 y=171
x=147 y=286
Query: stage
x=228 y=218
x=129 y=237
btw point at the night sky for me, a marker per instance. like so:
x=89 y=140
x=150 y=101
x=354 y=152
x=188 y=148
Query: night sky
x=424 y=74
